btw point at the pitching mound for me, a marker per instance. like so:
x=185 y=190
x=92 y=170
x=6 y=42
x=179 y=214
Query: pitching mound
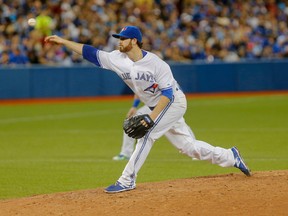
x=265 y=193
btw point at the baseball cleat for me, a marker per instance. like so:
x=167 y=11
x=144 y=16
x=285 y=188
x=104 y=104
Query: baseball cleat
x=120 y=157
x=118 y=187
x=239 y=162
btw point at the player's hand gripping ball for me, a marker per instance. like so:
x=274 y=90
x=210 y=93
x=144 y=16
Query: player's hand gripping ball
x=137 y=126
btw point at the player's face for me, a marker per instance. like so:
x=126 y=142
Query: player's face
x=125 y=44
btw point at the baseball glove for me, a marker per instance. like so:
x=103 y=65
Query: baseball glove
x=134 y=127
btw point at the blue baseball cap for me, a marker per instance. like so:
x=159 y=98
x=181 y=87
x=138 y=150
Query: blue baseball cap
x=130 y=32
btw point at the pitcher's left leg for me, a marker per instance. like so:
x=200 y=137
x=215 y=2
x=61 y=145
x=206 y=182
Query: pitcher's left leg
x=129 y=174
x=166 y=119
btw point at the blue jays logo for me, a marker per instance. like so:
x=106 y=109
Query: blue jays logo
x=152 y=88
x=123 y=29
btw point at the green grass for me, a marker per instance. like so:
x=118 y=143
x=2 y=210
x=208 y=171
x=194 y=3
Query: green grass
x=63 y=147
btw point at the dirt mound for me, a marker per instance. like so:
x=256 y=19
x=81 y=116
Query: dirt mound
x=265 y=193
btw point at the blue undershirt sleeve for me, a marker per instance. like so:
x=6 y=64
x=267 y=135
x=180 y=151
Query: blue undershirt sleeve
x=168 y=93
x=91 y=54
x=136 y=102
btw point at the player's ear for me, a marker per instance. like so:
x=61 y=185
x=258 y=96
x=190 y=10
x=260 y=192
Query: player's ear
x=134 y=41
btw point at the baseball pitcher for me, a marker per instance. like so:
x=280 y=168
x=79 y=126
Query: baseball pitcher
x=152 y=80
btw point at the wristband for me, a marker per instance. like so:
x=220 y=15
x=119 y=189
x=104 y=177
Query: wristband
x=136 y=102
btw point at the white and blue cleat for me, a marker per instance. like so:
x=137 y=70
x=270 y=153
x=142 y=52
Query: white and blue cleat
x=239 y=162
x=120 y=157
x=118 y=187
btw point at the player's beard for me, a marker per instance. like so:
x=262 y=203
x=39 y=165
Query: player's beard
x=127 y=48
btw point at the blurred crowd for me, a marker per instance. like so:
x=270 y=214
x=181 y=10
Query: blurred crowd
x=176 y=30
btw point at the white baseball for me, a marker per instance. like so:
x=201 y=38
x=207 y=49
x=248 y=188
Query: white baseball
x=32 y=22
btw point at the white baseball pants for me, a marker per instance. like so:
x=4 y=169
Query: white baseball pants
x=171 y=123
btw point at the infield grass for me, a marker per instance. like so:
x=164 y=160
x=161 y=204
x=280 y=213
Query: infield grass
x=47 y=148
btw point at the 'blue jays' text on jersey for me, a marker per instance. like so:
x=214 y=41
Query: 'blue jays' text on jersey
x=147 y=77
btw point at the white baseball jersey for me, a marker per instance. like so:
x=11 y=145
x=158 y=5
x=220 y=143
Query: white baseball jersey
x=146 y=77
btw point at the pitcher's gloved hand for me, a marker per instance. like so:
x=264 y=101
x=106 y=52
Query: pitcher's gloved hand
x=137 y=126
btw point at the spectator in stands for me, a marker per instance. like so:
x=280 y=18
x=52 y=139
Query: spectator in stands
x=16 y=57
x=4 y=58
x=44 y=23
